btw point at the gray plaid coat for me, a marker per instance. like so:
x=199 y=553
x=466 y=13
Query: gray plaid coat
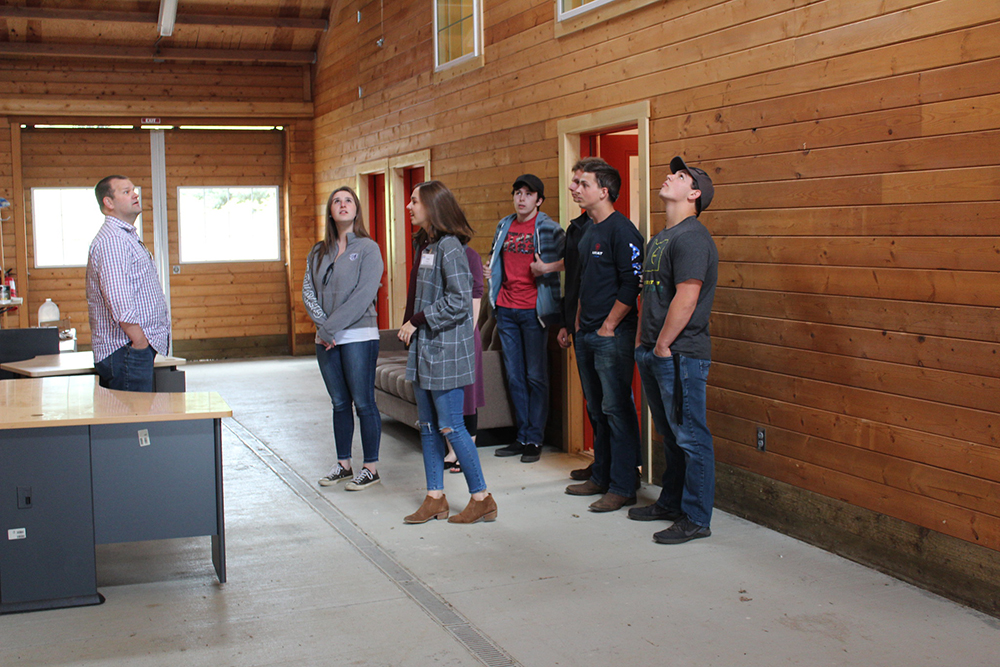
x=442 y=351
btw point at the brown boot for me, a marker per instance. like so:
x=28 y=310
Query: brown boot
x=587 y=488
x=432 y=508
x=611 y=502
x=485 y=509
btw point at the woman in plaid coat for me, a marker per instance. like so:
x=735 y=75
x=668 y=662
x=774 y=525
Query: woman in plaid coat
x=442 y=353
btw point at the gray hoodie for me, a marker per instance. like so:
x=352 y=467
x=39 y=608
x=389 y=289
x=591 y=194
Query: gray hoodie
x=339 y=292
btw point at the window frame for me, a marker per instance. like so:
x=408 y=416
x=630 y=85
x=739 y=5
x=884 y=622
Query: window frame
x=582 y=9
x=593 y=13
x=35 y=235
x=477 y=49
x=279 y=257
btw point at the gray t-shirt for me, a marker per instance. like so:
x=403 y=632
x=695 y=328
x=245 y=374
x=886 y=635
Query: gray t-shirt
x=683 y=252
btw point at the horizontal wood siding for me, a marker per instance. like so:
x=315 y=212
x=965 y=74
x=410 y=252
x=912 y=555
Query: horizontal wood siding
x=230 y=300
x=135 y=90
x=218 y=301
x=305 y=226
x=8 y=257
x=855 y=148
x=78 y=158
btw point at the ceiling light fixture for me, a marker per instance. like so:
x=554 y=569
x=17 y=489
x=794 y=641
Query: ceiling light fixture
x=168 y=15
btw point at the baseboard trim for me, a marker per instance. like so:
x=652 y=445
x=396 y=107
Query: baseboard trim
x=953 y=568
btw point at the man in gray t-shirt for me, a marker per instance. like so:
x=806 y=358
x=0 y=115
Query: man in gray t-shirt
x=673 y=352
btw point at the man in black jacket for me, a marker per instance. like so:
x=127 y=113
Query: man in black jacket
x=610 y=268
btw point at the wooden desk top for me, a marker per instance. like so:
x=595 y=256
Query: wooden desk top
x=79 y=400
x=71 y=363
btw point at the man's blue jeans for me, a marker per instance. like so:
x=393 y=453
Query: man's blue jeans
x=689 y=479
x=349 y=373
x=523 y=343
x=127 y=369
x=606 y=366
x=442 y=410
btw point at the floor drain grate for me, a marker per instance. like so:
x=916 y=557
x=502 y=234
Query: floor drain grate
x=480 y=646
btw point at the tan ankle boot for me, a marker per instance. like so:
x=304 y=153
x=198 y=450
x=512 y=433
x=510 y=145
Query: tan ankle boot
x=432 y=508
x=485 y=509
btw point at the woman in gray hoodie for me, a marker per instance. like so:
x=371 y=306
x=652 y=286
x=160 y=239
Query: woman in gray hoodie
x=343 y=272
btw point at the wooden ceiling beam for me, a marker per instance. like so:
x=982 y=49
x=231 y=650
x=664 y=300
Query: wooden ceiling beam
x=91 y=16
x=150 y=53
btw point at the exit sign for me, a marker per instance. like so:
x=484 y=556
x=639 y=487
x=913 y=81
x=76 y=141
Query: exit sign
x=150 y=121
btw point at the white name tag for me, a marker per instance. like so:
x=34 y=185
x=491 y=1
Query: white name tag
x=427 y=260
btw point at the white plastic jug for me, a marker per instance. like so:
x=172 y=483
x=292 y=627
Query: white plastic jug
x=48 y=314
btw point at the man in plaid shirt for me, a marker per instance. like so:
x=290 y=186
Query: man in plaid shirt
x=129 y=322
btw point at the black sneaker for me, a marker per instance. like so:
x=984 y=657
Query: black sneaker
x=531 y=453
x=338 y=473
x=513 y=449
x=654 y=512
x=365 y=479
x=682 y=531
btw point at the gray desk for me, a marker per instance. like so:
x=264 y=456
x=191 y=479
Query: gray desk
x=81 y=465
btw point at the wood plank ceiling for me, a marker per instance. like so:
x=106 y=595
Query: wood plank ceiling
x=241 y=31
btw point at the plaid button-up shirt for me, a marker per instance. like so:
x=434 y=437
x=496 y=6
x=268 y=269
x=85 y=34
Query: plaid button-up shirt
x=122 y=286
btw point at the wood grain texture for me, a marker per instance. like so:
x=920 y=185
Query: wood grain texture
x=208 y=301
x=854 y=152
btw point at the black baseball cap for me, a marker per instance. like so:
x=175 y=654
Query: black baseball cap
x=532 y=182
x=701 y=182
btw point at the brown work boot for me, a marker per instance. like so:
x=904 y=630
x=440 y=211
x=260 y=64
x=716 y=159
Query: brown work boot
x=431 y=508
x=580 y=474
x=587 y=488
x=476 y=510
x=610 y=502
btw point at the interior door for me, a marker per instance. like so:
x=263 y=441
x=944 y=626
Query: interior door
x=379 y=233
x=619 y=147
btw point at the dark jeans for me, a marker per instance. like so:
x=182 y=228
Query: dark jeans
x=127 y=369
x=689 y=479
x=349 y=373
x=442 y=409
x=606 y=366
x=523 y=343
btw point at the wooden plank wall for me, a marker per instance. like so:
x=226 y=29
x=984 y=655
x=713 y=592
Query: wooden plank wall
x=855 y=150
x=7 y=192
x=77 y=159
x=306 y=226
x=93 y=87
x=226 y=309
x=218 y=310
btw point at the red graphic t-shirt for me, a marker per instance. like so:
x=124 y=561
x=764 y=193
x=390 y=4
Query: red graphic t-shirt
x=518 y=289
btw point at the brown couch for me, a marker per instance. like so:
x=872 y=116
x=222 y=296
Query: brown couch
x=394 y=393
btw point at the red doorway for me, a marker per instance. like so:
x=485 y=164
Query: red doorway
x=412 y=177
x=619 y=147
x=377 y=229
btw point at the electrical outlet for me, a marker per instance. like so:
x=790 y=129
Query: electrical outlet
x=761 y=439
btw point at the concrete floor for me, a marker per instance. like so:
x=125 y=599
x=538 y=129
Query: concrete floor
x=327 y=577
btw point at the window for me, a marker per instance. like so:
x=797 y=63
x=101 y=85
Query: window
x=64 y=222
x=456 y=31
x=571 y=8
x=228 y=224
x=575 y=15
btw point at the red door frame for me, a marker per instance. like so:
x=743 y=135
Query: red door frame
x=378 y=231
x=616 y=149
